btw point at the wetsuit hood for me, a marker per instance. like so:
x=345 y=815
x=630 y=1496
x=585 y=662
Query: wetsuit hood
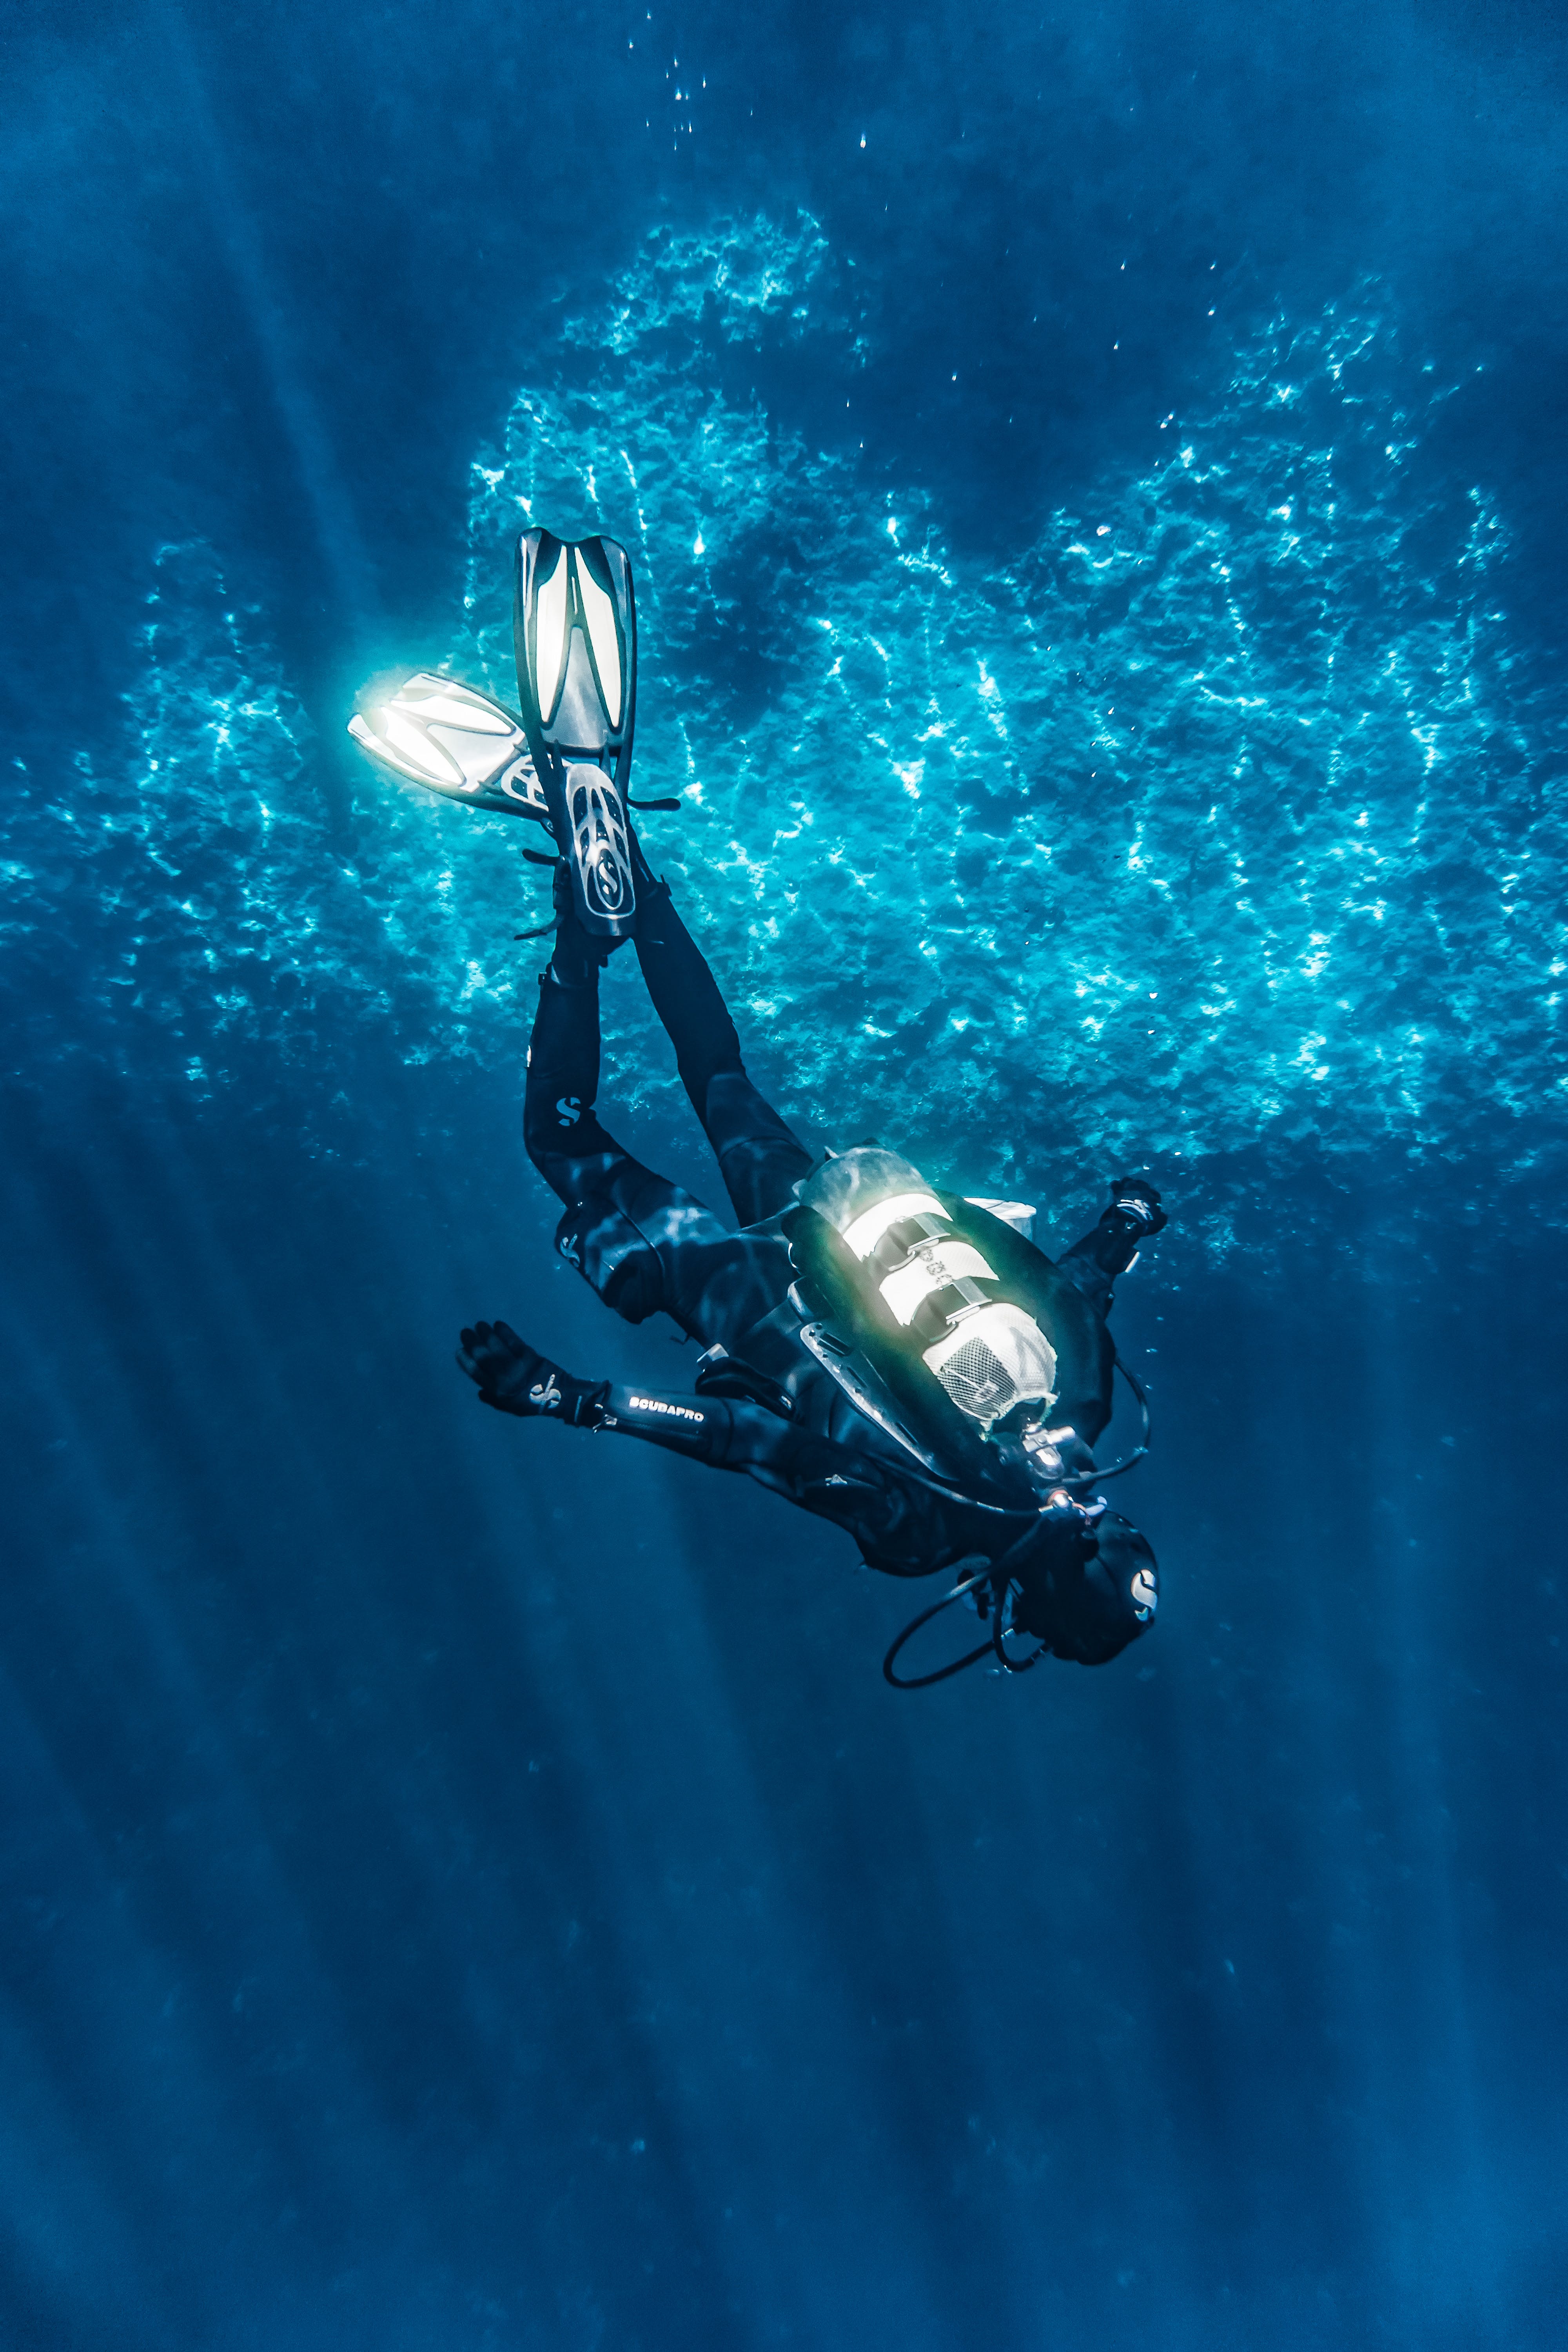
x=1067 y=1583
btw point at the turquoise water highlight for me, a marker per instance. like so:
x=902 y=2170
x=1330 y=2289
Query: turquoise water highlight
x=1228 y=812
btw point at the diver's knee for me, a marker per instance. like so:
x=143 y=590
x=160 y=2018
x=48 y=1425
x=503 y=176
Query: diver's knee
x=613 y=1257
x=561 y=1130
x=551 y=1126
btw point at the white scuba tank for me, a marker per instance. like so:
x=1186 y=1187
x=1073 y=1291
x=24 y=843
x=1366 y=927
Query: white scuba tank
x=934 y=1294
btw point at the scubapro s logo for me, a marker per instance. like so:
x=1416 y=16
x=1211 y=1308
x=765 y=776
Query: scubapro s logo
x=545 y=1395
x=569 y=1110
x=1145 y=1595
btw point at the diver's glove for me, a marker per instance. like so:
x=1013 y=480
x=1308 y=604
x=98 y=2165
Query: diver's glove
x=515 y=1378
x=1135 y=1206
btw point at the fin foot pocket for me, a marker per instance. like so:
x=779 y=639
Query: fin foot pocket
x=600 y=851
x=575 y=628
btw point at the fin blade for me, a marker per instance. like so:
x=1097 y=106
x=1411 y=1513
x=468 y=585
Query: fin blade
x=455 y=740
x=551 y=619
x=599 y=613
x=461 y=706
x=417 y=744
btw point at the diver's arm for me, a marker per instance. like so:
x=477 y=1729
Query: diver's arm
x=729 y=1432
x=907 y=1526
x=904 y=1527
x=1109 y=1247
x=733 y=1434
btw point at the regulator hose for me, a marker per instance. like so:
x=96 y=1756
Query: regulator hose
x=997 y=1575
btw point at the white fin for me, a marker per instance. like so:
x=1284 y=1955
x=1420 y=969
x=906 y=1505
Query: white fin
x=437 y=733
x=549 y=625
x=600 y=615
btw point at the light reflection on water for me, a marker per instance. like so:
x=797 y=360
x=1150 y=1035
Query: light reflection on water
x=1216 y=817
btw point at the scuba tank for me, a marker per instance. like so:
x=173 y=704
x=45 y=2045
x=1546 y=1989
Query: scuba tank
x=963 y=1320
x=947 y=1313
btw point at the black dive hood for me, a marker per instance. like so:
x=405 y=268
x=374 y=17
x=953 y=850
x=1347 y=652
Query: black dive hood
x=963 y=1318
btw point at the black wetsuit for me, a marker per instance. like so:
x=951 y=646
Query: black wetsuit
x=645 y=1246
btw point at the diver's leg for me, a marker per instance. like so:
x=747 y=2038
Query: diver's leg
x=639 y=1241
x=1095 y=1262
x=760 y=1159
x=594 y=1176
x=561 y=1127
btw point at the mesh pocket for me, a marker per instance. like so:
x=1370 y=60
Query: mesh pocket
x=993 y=1360
x=978 y=1379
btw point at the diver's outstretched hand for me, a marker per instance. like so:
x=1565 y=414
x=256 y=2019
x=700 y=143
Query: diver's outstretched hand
x=1137 y=1202
x=515 y=1378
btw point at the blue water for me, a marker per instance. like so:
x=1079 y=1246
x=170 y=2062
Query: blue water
x=1093 y=483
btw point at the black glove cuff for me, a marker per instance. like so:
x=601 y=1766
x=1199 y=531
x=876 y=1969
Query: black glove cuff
x=584 y=1405
x=553 y=1394
x=1135 y=1207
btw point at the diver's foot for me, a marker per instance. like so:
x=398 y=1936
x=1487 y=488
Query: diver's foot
x=579 y=956
x=574 y=623
x=601 y=853
x=1134 y=1208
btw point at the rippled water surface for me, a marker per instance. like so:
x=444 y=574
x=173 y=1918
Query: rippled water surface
x=1228 y=810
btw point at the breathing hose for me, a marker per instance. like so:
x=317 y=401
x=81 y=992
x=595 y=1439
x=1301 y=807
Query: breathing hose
x=997 y=1575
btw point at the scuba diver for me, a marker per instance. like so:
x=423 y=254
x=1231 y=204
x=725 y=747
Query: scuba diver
x=887 y=1355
